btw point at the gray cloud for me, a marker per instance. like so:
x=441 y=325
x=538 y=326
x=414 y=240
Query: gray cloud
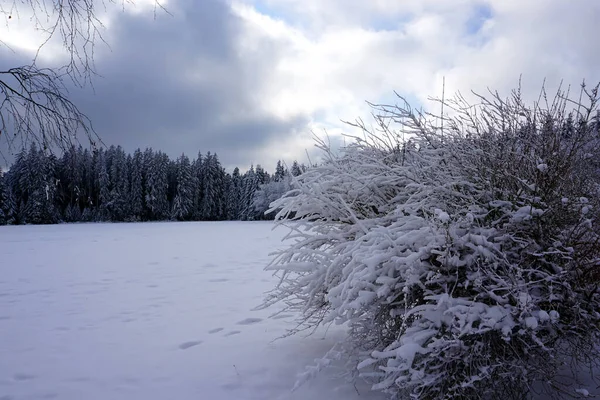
x=180 y=84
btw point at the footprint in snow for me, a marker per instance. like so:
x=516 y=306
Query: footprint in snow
x=19 y=376
x=215 y=330
x=187 y=345
x=232 y=333
x=249 y=321
x=219 y=280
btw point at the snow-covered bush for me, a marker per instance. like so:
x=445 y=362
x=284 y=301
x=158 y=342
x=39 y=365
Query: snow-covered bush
x=269 y=192
x=465 y=260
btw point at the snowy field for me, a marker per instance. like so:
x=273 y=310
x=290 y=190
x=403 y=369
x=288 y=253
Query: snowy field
x=150 y=311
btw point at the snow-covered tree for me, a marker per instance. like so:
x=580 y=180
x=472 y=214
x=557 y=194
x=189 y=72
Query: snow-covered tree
x=262 y=176
x=86 y=199
x=267 y=194
x=70 y=178
x=198 y=174
x=465 y=261
x=36 y=181
x=297 y=169
x=249 y=187
x=157 y=186
x=213 y=202
x=184 y=193
x=136 y=189
x=102 y=182
x=118 y=183
x=234 y=195
x=280 y=172
x=3 y=198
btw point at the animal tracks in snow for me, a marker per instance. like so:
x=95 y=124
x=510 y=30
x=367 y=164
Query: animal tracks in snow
x=249 y=321
x=187 y=345
x=229 y=332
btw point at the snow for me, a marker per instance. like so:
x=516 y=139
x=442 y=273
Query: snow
x=583 y=392
x=151 y=311
x=543 y=168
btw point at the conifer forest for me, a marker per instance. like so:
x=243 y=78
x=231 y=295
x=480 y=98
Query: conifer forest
x=109 y=185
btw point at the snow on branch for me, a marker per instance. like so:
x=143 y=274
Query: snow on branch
x=465 y=263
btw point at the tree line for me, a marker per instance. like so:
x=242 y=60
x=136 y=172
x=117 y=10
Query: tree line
x=110 y=185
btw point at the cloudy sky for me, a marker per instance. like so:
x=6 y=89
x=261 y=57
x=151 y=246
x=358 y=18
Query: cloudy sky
x=252 y=79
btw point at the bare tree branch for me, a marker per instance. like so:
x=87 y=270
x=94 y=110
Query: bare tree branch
x=34 y=104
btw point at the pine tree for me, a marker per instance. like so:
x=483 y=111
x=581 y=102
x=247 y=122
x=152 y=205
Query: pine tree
x=18 y=182
x=70 y=180
x=118 y=184
x=213 y=204
x=3 y=199
x=157 y=186
x=10 y=206
x=249 y=187
x=262 y=176
x=280 y=172
x=104 y=205
x=296 y=170
x=87 y=178
x=50 y=181
x=234 y=196
x=172 y=182
x=36 y=182
x=198 y=174
x=147 y=160
x=183 y=202
x=136 y=191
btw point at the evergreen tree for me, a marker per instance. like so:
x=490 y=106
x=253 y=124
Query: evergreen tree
x=249 y=187
x=198 y=174
x=213 y=204
x=147 y=161
x=157 y=186
x=136 y=191
x=102 y=188
x=10 y=204
x=110 y=185
x=184 y=198
x=50 y=180
x=296 y=170
x=172 y=169
x=280 y=172
x=118 y=184
x=39 y=182
x=234 y=195
x=262 y=176
x=3 y=198
x=87 y=178
x=17 y=182
x=70 y=182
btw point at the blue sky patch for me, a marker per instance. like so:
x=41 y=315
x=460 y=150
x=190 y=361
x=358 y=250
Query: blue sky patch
x=481 y=13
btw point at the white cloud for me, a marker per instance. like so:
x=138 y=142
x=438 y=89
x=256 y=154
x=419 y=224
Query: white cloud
x=324 y=59
x=26 y=29
x=337 y=54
